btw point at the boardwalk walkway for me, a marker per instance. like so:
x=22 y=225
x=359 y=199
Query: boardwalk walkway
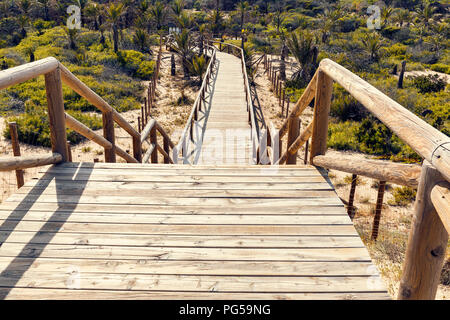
x=227 y=136
x=111 y=231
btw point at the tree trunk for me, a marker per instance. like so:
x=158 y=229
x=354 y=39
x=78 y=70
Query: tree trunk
x=116 y=39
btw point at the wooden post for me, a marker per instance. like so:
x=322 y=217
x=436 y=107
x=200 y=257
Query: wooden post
x=137 y=148
x=379 y=208
x=427 y=243
x=56 y=114
x=306 y=152
x=144 y=122
x=108 y=134
x=321 y=112
x=351 y=198
x=167 y=150
x=139 y=125
x=283 y=101
x=287 y=107
x=16 y=152
x=69 y=151
x=294 y=132
x=154 y=140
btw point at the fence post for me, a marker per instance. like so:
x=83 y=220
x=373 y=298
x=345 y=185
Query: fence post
x=351 y=198
x=69 y=151
x=56 y=115
x=137 y=148
x=108 y=133
x=167 y=150
x=294 y=132
x=16 y=152
x=154 y=140
x=321 y=112
x=427 y=243
x=379 y=208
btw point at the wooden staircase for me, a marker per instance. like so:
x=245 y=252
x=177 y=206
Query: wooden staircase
x=110 y=231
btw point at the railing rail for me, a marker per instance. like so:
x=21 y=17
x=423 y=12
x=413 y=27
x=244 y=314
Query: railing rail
x=188 y=132
x=150 y=134
x=429 y=235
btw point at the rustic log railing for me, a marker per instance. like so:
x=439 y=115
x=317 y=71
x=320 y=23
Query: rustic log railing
x=188 y=132
x=429 y=235
x=149 y=134
x=55 y=74
x=255 y=133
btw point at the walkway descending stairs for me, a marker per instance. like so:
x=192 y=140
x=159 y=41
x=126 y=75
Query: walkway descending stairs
x=213 y=231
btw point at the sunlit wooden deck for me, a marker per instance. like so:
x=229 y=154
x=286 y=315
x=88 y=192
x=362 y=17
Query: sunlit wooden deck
x=116 y=231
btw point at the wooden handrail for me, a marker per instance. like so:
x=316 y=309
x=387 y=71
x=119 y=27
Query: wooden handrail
x=402 y=174
x=79 y=87
x=187 y=129
x=428 y=142
x=26 y=162
x=86 y=132
x=25 y=72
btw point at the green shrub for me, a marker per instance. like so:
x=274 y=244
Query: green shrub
x=376 y=138
x=439 y=67
x=342 y=135
x=403 y=196
x=428 y=83
x=134 y=62
x=33 y=128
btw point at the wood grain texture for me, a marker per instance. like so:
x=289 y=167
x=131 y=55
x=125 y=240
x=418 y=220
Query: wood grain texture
x=140 y=230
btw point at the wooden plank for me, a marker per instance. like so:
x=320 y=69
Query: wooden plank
x=185 y=229
x=230 y=219
x=247 y=209
x=143 y=200
x=183 y=185
x=199 y=241
x=161 y=253
x=60 y=294
x=228 y=268
x=90 y=281
x=67 y=189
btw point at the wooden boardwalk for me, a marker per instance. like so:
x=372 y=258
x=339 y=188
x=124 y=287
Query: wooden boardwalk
x=110 y=231
x=227 y=137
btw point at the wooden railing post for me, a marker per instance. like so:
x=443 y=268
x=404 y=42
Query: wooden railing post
x=137 y=148
x=154 y=140
x=351 y=198
x=108 y=134
x=321 y=111
x=427 y=243
x=293 y=133
x=56 y=114
x=167 y=150
x=379 y=208
x=16 y=152
x=69 y=151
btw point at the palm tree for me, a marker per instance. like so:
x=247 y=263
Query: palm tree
x=216 y=22
x=386 y=13
x=158 y=13
x=183 y=47
x=199 y=66
x=184 y=21
x=140 y=39
x=302 y=45
x=82 y=4
x=113 y=14
x=402 y=16
x=45 y=4
x=177 y=8
x=92 y=12
x=242 y=8
x=426 y=13
x=329 y=20
x=23 y=22
x=72 y=35
x=25 y=6
x=373 y=43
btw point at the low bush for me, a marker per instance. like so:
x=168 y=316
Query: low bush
x=428 y=83
x=403 y=196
